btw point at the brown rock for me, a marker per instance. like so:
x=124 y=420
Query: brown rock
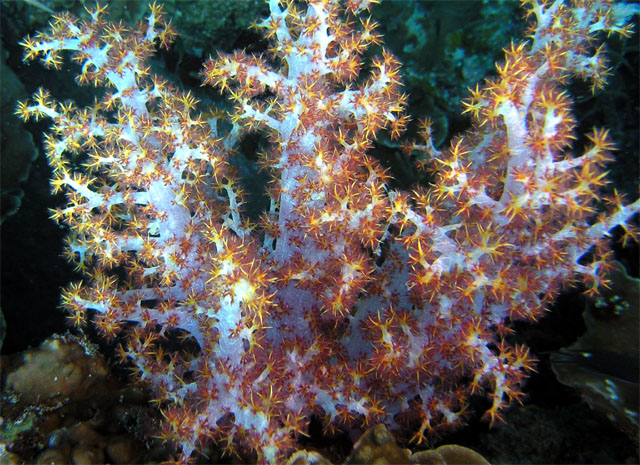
x=52 y=456
x=306 y=457
x=121 y=450
x=83 y=454
x=378 y=446
x=84 y=434
x=57 y=370
x=450 y=454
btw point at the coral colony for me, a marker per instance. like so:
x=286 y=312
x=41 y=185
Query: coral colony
x=347 y=300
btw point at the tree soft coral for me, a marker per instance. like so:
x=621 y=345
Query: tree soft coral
x=349 y=301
